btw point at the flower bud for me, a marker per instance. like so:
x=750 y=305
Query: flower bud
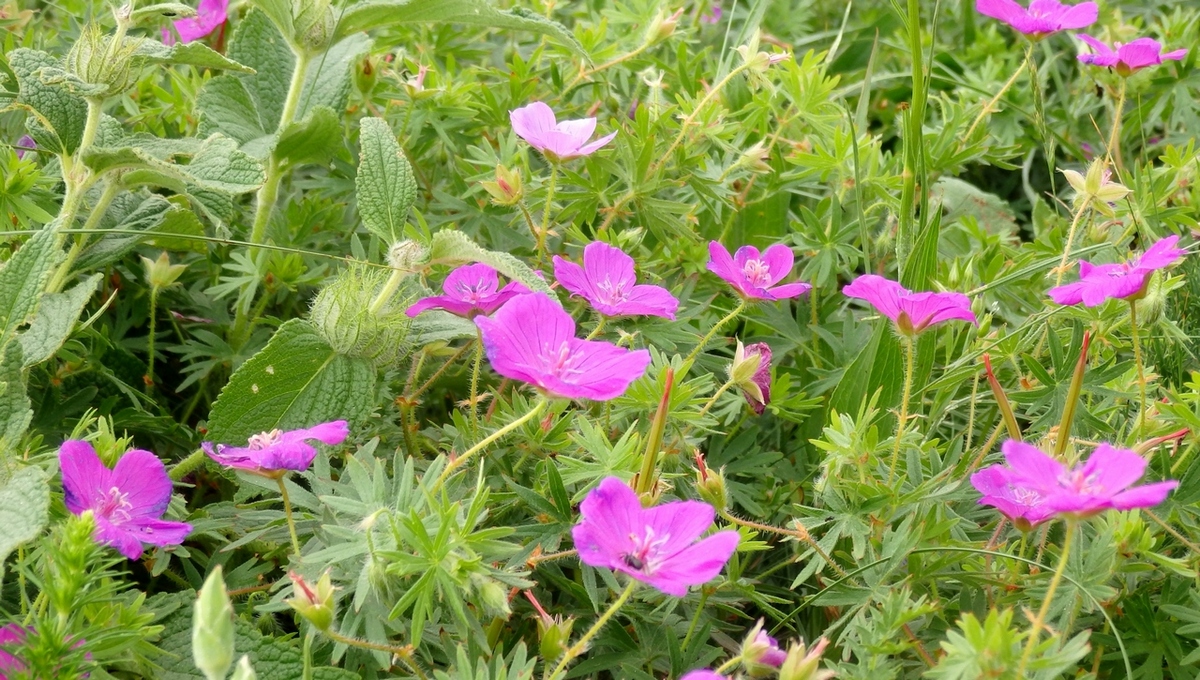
x=102 y=69
x=313 y=603
x=710 y=484
x=409 y=256
x=662 y=26
x=212 y=627
x=554 y=635
x=160 y=273
x=1153 y=303
x=507 y=189
x=492 y=596
x=804 y=664
x=751 y=373
x=244 y=670
x=754 y=159
x=366 y=74
x=761 y=654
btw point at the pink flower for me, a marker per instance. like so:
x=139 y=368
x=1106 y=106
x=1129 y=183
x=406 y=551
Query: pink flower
x=1123 y=281
x=660 y=545
x=607 y=281
x=714 y=16
x=1021 y=503
x=911 y=312
x=557 y=141
x=762 y=650
x=209 y=15
x=1043 y=16
x=1130 y=57
x=469 y=290
x=25 y=143
x=272 y=454
x=754 y=275
x=532 y=339
x=703 y=674
x=756 y=388
x=1103 y=482
x=11 y=636
x=127 y=501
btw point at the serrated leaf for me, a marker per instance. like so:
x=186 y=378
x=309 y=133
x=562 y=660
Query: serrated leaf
x=226 y=106
x=330 y=77
x=190 y=53
x=58 y=117
x=259 y=45
x=385 y=186
x=311 y=140
x=216 y=163
x=24 y=509
x=454 y=247
x=365 y=16
x=154 y=216
x=23 y=278
x=55 y=318
x=15 y=411
x=297 y=380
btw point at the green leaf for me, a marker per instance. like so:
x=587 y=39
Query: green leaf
x=24 y=277
x=438 y=326
x=216 y=163
x=226 y=106
x=154 y=216
x=259 y=45
x=311 y=140
x=58 y=117
x=24 y=509
x=278 y=13
x=15 y=411
x=365 y=16
x=55 y=318
x=330 y=77
x=193 y=53
x=385 y=186
x=454 y=247
x=297 y=380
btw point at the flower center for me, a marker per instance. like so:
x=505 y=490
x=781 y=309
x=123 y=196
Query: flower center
x=1026 y=497
x=757 y=272
x=115 y=506
x=562 y=362
x=612 y=293
x=646 y=555
x=265 y=440
x=1083 y=485
x=472 y=294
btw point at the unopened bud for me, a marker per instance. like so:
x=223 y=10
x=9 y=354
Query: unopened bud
x=805 y=664
x=761 y=654
x=366 y=74
x=244 y=670
x=493 y=597
x=751 y=373
x=710 y=484
x=554 y=635
x=160 y=273
x=212 y=627
x=314 y=603
x=508 y=188
x=754 y=159
x=662 y=26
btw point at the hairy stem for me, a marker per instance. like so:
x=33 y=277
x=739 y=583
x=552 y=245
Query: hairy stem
x=458 y=462
x=473 y=407
x=287 y=511
x=185 y=467
x=150 y=339
x=1140 y=422
x=909 y=354
x=404 y=652
x=801 y=534
x=741 y=306
x=541 y=233
x=1040 y=619
x=581 y=644
x=1113 y=152
x=388 y=290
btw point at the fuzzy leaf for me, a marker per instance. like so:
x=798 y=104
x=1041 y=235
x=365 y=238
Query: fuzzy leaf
x=226 y=106
x=23 y=278
x=24 y=509
x=438 y=326
x=15 y=411
x=56 y=316
x=329 y=78
x=385 y=186
x=454 y=247
x=297 y=380
x=311 y=140
x=154 y=216
x=258 y=44
x=58 y=117
x=216 y=163
x=191 y=53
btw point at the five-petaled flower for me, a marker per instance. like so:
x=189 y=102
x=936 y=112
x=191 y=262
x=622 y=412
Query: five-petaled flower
x=209 y=15
x=469 y=290
x=532 y=339
x=1103 y=482
x=607 y=281
x=1130 y=57
x=127 y=501
x=911 y=312
x=557 y=140
x=272 y=454
x=754 y=275
x=659 y=545
x=1042 y=18
x=1123 y=280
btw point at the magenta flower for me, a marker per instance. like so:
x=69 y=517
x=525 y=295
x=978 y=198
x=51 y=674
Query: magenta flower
x=607 y=281
x=1043 y=16
x=558 y=141
x=756 y=386
x=911 y=312
x=1130 y=57
x=703 y=674
x=1103 y=482
x=532 y=339
x=127 y=501
x=753 y=275
x=1023 y=504
x=763 y=650
x=660 y=545
x=469 y=290
x=1125 y=280
x=272 y=454
x=11 y=637
x=209 y=15
x=714 y=16
x=25 y=143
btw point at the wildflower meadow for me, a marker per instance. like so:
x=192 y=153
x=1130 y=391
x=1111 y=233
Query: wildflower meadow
x=616 y=339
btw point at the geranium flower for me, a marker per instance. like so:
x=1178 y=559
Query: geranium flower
x=272 y=454
x=209 y=15
x=532 y=339
x=760 y=650
x=469 y=290
x=1124 y=280
x=703 y=674
x=911 y=312
x=1130 y=57
x=1021 y=503
x=607 y=281
x=1103 y=482
x=127 y=501
x=11 y=636
x=754 y=275
x=1043 y=17
x=26 y=142
x=558 y=141
x=714 y=16
x=660 y=545
x=756 y=385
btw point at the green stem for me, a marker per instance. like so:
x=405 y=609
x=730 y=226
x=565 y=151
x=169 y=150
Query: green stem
x=94 y=109
x=1062 y=264
x=1040 y=619
x=990 y=106
x=691 y=118
x=741 y=306
x=729 y=665
x=441 y=369
x=184 y=467
x=150 y=339
x=801 y=534
x=713 y=399
x=111 y=189
x=585 y=72
x=598 y=329
x=541 y=233
x=474 y=405
x=908 y=376
x=581 y=644
x=388 y=290
x=1140 y=423
x=1074 y=390
x=287 y=511
x=1113 y=153
x=471 y=452
x=695 y=620
x=405 y=652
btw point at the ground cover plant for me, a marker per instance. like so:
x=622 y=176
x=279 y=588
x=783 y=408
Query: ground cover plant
x=484 y=339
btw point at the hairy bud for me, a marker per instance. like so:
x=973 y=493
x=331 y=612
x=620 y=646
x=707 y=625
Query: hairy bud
x=212 y=627
x=313 y=602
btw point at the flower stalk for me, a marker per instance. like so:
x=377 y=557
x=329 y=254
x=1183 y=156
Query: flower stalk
x=909 y=356
x=470 y=453
x=1040 y=619
x=581 y=644
x=1073 y=393
x=741 y=306
x=287 y=512
x=1140 y=423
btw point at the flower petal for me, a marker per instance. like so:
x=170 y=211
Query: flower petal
x=779 y=260
x=518 y=333
x=1031 y=466
x=1145 y=496
x=609 y=514
x=331 y=433
x=85 y=479
x=157 y=531
x=1114 y=469
x=572 y=278
x=295 y=455
x=604 y=262
x=580 y=131
x=679 y=524
x=532 y=123
x=697 y=564
x=141 y=476
x=1080 y=16
x=650 y=300
x=1007 y=11
x=602 y=371
x=788 y=290
x=1161 y=255
x=589 y=149
x=119 y=537
x=721 y=263
x=883 y=294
